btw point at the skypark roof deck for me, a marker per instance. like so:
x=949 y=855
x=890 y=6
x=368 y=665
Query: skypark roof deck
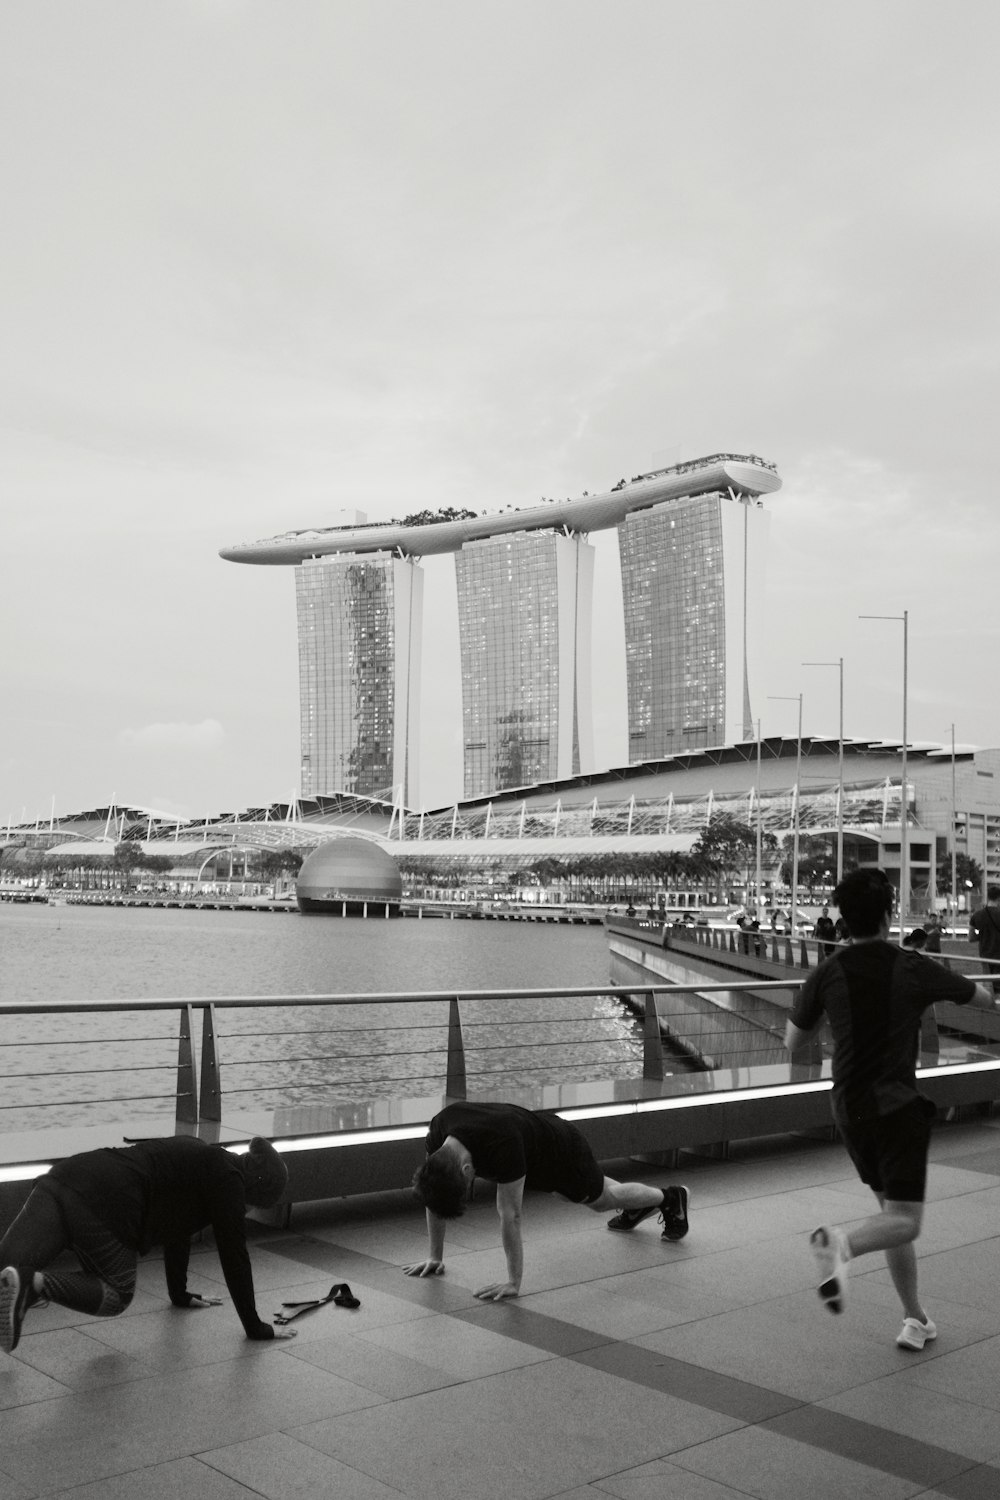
x=744 y=474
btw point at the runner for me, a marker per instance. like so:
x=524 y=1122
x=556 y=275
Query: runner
x=874 y=994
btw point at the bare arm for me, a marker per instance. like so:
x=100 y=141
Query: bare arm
x=983 y=999
x=434 y=1264
x=509 y=1199
x=796 y=1038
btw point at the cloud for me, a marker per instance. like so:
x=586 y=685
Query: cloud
x=208 y=735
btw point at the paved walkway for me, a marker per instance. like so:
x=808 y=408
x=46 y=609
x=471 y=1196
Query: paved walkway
x=630 y=1367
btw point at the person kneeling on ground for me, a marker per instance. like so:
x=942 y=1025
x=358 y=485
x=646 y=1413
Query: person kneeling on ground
x=110 y=1206
x=517 y=1148
x=874 y=995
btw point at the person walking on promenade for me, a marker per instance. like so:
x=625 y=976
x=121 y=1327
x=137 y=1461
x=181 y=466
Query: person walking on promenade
x=932 y=926
x=984 y=929
x=110 y=1206
x=518 y=1148
x=874 y=994
x=826 y=931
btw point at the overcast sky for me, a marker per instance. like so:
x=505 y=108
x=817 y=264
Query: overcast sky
x=264 y=261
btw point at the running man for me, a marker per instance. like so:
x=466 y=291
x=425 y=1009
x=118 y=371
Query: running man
x=109 y=1207
x=874 y=995
x=517 y=1148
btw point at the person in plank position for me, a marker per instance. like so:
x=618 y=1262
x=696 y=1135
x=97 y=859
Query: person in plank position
x=518 y=1148
x=110 y=1206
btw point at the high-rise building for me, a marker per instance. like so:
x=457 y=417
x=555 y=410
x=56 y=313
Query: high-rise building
x=359 y=620
x=690 y=538
x=689 y=618
x=524 y=615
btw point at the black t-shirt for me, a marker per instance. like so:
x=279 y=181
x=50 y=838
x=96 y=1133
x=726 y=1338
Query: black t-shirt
x=984 y=924
x=507 y=1142
x=874 y=995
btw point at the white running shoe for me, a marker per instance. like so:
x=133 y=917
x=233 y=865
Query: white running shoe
x=829 y=1246
x=914 y=1334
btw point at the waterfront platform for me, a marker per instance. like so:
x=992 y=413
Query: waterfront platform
x=630 y=1367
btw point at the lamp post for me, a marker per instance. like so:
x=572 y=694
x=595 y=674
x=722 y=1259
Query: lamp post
x=952 y=841
x=839 y=664
x=759 y=874
x=787 y=698
x=904 y=853
x=759 y=913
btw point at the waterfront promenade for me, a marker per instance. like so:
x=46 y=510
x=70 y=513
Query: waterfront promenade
x=705 y=1370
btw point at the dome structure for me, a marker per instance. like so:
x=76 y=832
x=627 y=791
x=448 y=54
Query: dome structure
x=349 y=877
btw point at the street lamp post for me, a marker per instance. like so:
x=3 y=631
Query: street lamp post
x=787 y=698
x=758 y=904
x=952 y=841
x=839 y=664
x=904 y=852
x=759 y=913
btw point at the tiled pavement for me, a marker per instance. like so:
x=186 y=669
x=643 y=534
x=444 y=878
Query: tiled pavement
x=629 y=1367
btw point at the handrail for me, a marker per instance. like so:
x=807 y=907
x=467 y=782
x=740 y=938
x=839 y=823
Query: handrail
x=673 y=1020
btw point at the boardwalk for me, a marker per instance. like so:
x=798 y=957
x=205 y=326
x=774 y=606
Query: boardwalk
x=702 y=1371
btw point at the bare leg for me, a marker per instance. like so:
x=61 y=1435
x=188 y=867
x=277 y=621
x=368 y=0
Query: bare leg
x=626 y=1195
x=894 y=1231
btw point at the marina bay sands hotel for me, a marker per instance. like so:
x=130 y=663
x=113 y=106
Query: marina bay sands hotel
x=691 y=543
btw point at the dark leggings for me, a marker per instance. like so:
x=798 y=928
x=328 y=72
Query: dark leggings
x=55 y=1219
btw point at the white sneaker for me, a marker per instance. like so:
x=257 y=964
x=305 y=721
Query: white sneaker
x=829 y=1246
x=914 y=1334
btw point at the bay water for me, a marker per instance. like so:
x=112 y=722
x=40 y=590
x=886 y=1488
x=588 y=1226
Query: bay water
x=83 y=1068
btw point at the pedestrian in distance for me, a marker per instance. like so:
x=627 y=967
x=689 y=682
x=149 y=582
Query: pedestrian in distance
x=932 y=927
x=110 y=1206
x=874 y=994
x=984 y=929
x=518 y=1148
x=826 y=931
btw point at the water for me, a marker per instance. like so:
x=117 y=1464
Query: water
x=80 y=1069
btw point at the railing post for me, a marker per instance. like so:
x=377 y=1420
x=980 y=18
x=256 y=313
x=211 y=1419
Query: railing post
x=455 y=1085
x=211 y=1081
x=652 y=1040
x=930 y=1041
x=187 y=1086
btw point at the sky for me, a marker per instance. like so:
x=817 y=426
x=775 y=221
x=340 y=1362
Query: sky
x=262 y=263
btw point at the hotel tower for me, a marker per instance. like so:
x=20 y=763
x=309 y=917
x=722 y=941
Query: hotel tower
x=691 y=541
x=524 y=613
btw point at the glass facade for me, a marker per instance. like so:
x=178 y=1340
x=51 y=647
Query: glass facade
x=674 y=587
x=359 y=637
x=524 y=609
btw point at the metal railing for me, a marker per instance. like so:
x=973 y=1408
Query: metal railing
x=113 y=1060
x=99 y=1060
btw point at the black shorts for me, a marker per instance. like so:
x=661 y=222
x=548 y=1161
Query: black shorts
x=890 y=1152
x=577 y=1175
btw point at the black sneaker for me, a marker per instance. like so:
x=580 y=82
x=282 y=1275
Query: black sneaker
x=630 y=1217
x=675 y=1213
x=16 y=1295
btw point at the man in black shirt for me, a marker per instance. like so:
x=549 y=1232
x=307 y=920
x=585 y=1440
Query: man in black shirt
x=110 y=1206
x=874 y=994
x=518 y=1148
x=984 y=929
